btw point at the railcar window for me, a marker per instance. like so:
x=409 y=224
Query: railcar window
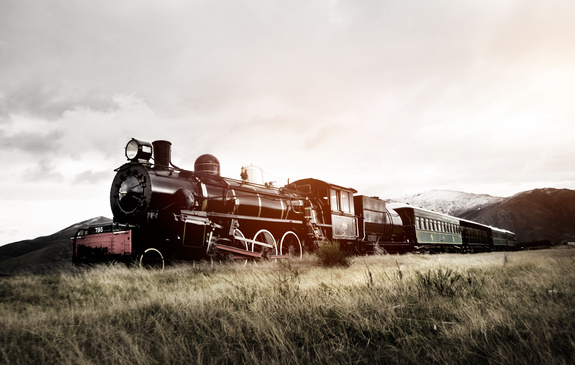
x=417 y=223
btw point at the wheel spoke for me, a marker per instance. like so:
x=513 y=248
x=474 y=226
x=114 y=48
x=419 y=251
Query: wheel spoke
x=290 y=245
x=268 y=247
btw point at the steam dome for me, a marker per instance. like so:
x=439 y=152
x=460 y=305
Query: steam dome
x=207 y=164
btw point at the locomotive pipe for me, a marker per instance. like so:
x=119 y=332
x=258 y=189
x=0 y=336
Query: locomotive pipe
x=162 y=153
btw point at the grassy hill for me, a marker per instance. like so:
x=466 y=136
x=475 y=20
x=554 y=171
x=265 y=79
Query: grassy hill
x=43 y=254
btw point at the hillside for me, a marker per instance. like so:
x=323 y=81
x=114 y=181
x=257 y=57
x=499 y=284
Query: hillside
x=42 y=254
x=536 y=215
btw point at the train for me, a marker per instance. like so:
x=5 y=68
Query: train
x=163 y=213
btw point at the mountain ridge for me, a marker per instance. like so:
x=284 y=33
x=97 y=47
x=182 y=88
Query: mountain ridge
x=449 y=202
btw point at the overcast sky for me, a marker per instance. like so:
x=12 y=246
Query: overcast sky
x=387 y=97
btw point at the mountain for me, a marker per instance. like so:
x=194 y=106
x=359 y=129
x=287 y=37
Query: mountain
x=536 y=215
x=455 y=203
x=43 y=254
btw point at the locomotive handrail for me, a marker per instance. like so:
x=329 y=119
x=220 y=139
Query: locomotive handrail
x=245 y=217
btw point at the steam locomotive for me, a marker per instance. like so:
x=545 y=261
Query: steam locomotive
x=163 y=212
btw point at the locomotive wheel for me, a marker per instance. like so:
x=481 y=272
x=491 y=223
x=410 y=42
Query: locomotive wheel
x=268 y=246
x=290 y=245
x=240 y=242
x=152 y=259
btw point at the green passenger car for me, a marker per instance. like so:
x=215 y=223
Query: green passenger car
x=503 y=239
x=432 y=229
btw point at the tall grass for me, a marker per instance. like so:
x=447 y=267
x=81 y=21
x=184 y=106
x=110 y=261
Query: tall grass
x=484 y=308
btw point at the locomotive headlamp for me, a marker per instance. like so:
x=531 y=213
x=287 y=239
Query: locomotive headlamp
x=138 y=150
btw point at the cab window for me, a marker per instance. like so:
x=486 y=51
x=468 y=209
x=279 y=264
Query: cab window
x=334 y=200
x=345 y=206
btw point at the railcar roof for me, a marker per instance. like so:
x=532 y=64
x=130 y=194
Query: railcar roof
x=403 y=205
x=396 y=206
x=313 y=181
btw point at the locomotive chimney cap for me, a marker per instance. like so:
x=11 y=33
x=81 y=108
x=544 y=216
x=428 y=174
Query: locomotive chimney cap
x=207 y=164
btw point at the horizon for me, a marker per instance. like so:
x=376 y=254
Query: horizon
x=393 y=199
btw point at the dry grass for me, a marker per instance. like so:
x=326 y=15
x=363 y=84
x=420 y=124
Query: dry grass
x=499 y=308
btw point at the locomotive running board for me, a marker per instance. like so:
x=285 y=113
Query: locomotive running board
x=244 y=253
x=254 y=242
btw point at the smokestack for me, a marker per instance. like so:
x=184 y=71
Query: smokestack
x=162 y=153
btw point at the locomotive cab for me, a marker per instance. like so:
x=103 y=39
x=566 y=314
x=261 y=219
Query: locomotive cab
x=334 y=210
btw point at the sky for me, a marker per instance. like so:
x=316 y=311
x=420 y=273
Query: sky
x=388 y=97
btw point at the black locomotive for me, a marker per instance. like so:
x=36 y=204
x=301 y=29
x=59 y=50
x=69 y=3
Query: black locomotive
x=163 y=212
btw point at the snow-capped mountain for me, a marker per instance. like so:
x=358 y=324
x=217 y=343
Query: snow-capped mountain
x=455 y=203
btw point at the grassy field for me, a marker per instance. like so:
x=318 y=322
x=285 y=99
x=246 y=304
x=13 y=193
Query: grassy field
x=493 y=308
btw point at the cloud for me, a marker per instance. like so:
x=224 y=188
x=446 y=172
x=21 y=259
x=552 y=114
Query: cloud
x=93 y=177
x=31 y=142
x=43 y=171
